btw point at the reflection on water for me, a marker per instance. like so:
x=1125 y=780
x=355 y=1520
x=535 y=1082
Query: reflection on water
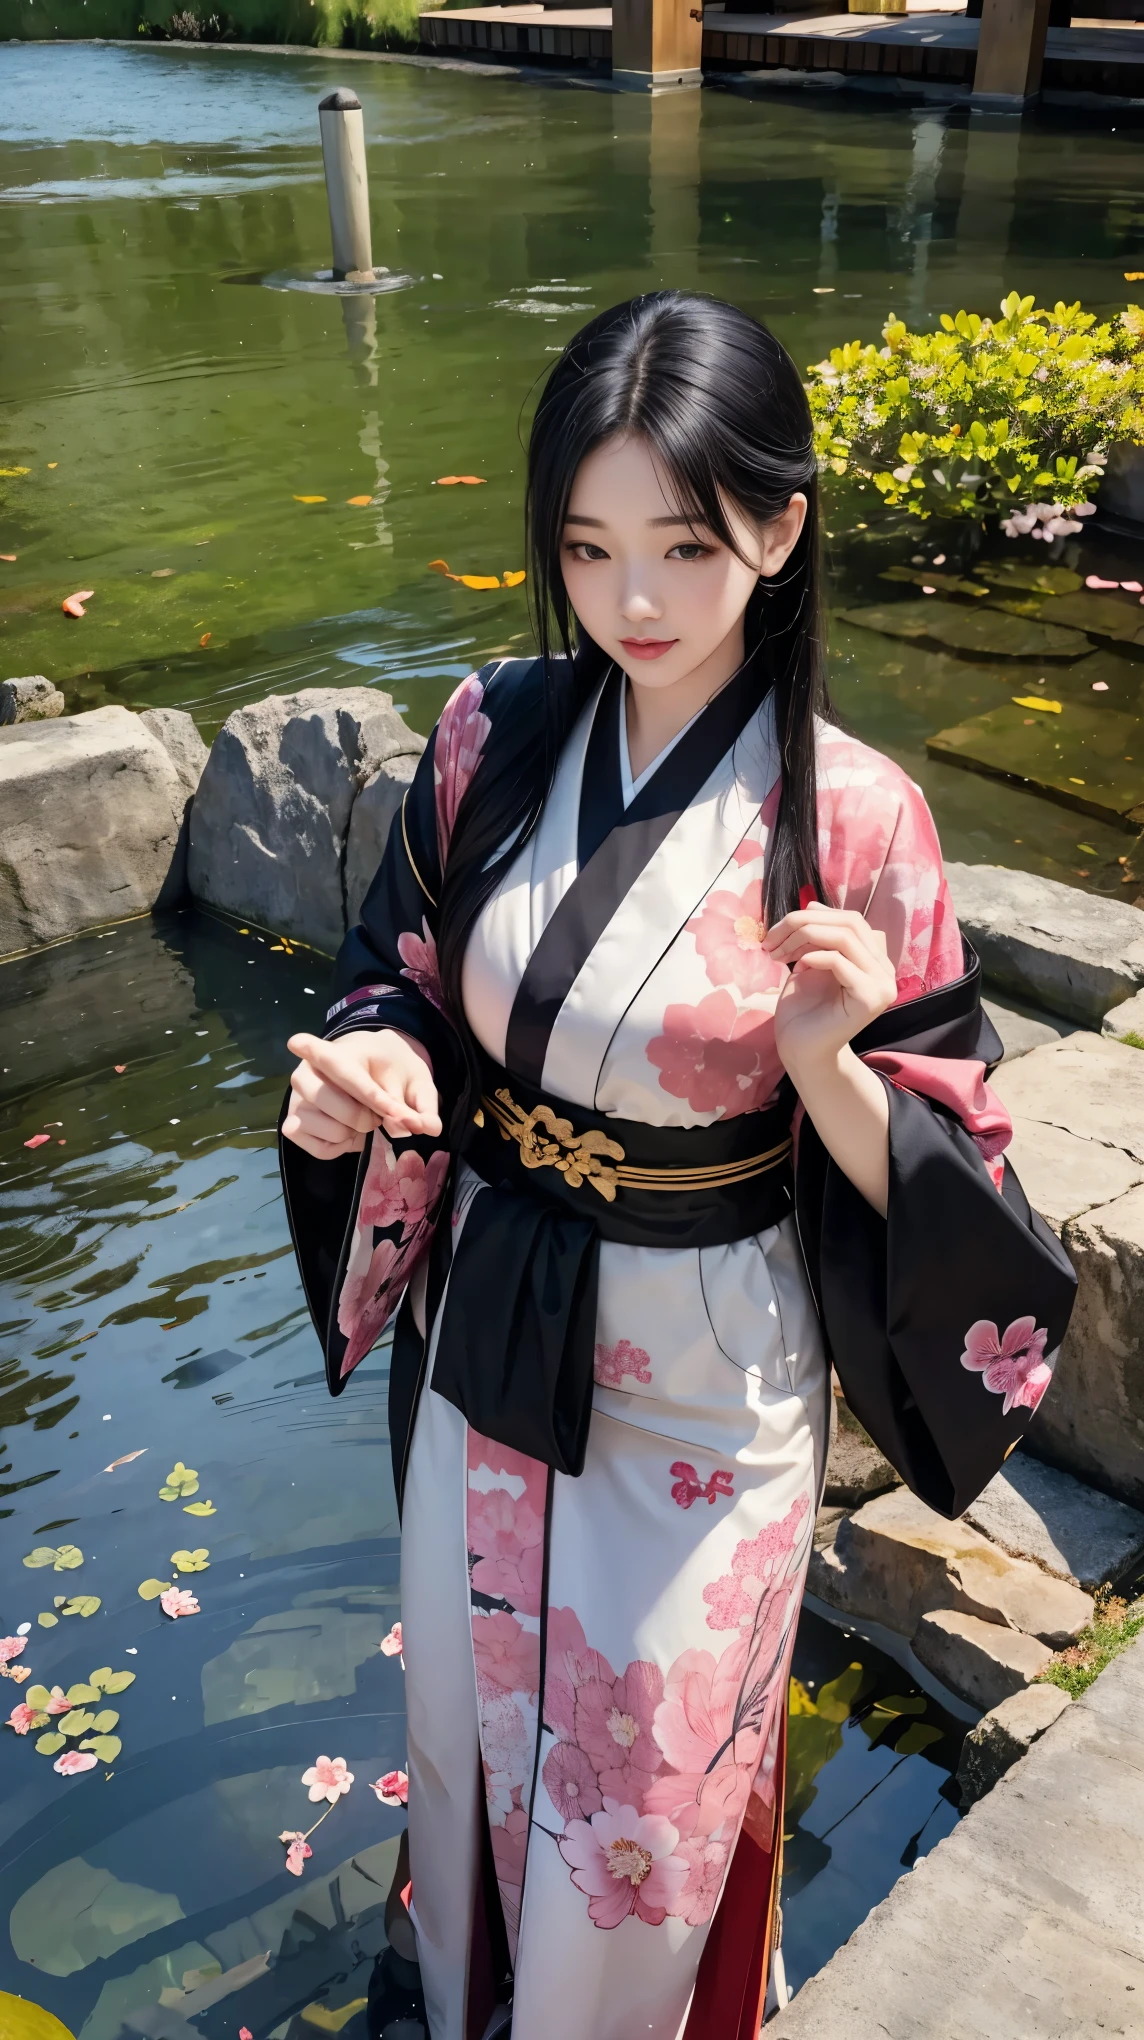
x=171 y=413
x=150 y=1315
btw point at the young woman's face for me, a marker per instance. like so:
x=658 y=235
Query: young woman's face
x=660 y=596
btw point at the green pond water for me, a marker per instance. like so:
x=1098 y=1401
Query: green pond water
x=170 y=411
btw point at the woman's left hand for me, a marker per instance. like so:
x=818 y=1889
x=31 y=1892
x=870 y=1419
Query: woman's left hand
x=840 y=979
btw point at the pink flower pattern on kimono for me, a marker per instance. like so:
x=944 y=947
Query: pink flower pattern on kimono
x=569 y=1665
x=461 y=736
x=729 y=937
x=366 y=1297
x=1011 y=1364
x=506 y=1538
x=615 y=1729
x=706 y=1862
x=613 y=1362
x=571 y=1783
x=400 y=1192
x=719 y=1059
x=510 y=1847
x=507 y=1655
x=695 y=1725
x=625 y=1863
x=418 y=955
x=756 y=1566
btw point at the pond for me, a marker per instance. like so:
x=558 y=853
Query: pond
x=151 y=1892
x=173 y=415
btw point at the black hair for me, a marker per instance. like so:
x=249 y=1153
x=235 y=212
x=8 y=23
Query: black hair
x=719 y=402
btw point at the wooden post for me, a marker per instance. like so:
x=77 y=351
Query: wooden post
x=657 y=45
x=1010 y=53
x=347 y=183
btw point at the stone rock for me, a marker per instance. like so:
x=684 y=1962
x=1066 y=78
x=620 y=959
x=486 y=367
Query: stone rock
x=176 y=731
x=855 y=1471
x=1127 y=1018
x=90 y=810
x=1022 y=1028
x=1004 y=1735
x=373 y=812
x=1078 y=1123
x=1049 y=943
x=900 y=1559
x=33 y=699
x=1092 y=1420
x=271 y=817
x=979 y=1661
x=1037 y=1512
x=1121 y=493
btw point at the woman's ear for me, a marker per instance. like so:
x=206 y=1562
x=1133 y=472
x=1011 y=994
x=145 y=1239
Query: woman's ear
x=777 y=540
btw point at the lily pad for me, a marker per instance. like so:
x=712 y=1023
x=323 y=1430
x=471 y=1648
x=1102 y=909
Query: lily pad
x=1039 y=580
x=1116 y=617
x=181 y=1481
x=83 y=1604
x=47 y=1621
x=984 y=633
x=200 y=1509
x=65 y=1558
x=36 y=1696
x=1086 y=757
x=150 y=1590
x=105 y=1747
x=112 y=1682
x=105 y=1721
x=49 y=1744
x=191 y=1561
x=77 y=1722
x=926 y=577
x=82 y=1692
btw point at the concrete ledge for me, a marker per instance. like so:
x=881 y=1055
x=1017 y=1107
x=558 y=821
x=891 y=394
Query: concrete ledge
x=1071 y=951
x=1026 y=1923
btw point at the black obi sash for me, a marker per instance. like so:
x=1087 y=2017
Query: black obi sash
x=518 y=1330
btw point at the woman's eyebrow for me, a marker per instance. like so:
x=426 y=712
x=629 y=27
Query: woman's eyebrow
x=597 y=523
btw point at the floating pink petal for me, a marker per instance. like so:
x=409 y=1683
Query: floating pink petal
x=393 y=1789
x=58 y=1702
x=72 y=605
x=21 y=1718
x=244 y=2033
x=37 y=1140
x=179 y=1601
x=73 y=1762
x=392 y=1644
x=328 y=1778
x=297 y=1850
x=10 y=1647
x=1094 y=581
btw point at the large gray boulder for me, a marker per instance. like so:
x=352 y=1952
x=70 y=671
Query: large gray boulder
x=271 y=819
x=1049 y=943
x=979 y=1661
x=373 y=814
x=90 y=811
x=1078 y=1147
x=1035 y=1511
x=176 y=731
x=32 y=699
x=1005 y=1735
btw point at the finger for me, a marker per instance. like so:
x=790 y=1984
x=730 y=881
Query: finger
x=312 y=1143
x=346 y=1074
x=832 y=935
x=421 y=1098
x=311 y=1089
x=845 y=973
x=323 y=1126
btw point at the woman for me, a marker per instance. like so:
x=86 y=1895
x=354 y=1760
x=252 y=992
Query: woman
x=642 y=902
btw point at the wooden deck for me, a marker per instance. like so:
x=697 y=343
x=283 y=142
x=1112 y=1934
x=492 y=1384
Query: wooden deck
x=934 y=44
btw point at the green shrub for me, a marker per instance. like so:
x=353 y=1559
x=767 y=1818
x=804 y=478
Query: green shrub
x=981 y=417
x=1113 y=1627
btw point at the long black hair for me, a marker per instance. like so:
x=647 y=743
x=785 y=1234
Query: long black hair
x=719 y=402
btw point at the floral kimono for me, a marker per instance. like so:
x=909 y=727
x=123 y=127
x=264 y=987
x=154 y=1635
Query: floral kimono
x=598 y=1645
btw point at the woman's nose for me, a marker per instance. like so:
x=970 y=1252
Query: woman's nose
x=638 y=602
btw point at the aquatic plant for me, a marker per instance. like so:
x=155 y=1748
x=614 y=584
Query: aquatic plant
x=985 y=417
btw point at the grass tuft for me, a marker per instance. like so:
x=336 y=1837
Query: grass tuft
x=1112 y=1629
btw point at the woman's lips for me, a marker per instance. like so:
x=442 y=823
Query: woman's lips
x=647 y=648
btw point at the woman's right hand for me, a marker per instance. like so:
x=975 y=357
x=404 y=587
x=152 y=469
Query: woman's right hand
x=344 y=1089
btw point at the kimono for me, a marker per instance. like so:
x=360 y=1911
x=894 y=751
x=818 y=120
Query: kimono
x=598 y=1636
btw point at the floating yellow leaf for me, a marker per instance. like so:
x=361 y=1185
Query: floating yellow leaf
x=112 y=1682
x=327 y=2020
x=359 y=502
x=49 y=1744
x=37 y=1696
x=48 y=1621
x=1088 y=849
x=150 y=1590
x=1037 y=701
x=182 y=1480
x=82 y=1604
x=191 y=1561
x=466 y=580
x=309 y=499
x=106 y=1747
x=514 y=580
x=22 y=2020
x=1130 y=276
x=65 y=1559
x=77 y=1722
x=83 y=1691
x=1075 y=782
x=105 y=1721
x=200 y=1509
x=9 y=472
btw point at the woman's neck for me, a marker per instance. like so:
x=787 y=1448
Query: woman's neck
x=657 y=714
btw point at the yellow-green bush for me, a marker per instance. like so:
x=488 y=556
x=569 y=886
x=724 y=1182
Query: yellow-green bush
x=984 y=414
x=344 y=24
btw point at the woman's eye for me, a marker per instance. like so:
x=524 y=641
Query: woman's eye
x=689 y=551
x=583 y=549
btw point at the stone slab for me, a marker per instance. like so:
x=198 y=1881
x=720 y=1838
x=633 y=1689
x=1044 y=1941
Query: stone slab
x=90 y=812
x=1078 y=758
x=1005 y=1735
x=980 y=634
x=900 y=1559
x=1127 y=1018
x=1023 y=1027
x=270 y=821
x=1051 y=944
x=1078 y=1123
x=1025 y=1923
x=855 y=1471
x=982 y=1662
x=1092 y=1420
x=32 y=699
x=1039 y=1513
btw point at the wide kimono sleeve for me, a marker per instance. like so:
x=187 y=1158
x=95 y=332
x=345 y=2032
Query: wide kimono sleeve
x=943 y=1320
x=362 y=1223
